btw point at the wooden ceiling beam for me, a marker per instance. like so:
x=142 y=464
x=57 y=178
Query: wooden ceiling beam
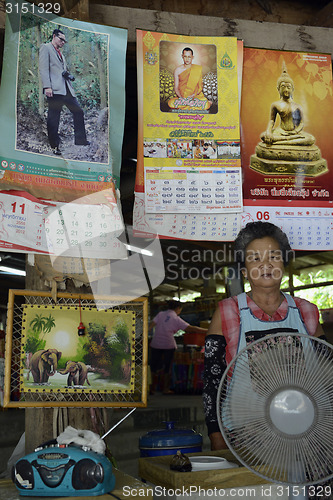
x=255 y=34
x=323 y=18
x=326 y=257
x=265 y=5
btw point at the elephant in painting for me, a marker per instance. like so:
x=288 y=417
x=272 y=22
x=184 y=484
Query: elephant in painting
x=43 y=364
x=77 y=373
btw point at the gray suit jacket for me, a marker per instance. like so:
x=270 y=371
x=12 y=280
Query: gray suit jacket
x=51 y=68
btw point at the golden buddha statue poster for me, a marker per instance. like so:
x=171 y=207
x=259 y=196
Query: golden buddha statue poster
x=287 y=127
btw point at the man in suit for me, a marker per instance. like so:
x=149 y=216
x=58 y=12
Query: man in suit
x=59 y=91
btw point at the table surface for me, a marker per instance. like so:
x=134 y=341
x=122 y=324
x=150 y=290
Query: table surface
x=8 y=490
x=156 y=470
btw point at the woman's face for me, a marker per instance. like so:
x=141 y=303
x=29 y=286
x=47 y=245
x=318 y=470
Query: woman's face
x=264 y=263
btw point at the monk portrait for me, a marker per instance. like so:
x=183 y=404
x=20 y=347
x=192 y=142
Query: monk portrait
x=190 y=85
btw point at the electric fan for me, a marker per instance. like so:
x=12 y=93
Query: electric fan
x=275 y=410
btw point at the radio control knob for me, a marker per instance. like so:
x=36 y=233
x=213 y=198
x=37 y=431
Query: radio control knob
x=98 y=473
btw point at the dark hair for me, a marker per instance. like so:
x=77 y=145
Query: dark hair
x=174 y=304
x=56 y=32
x=187 y=49
x=256 y=230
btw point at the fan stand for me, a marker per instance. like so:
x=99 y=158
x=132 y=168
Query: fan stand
x=275 y=410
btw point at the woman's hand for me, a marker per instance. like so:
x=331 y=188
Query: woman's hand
x=217 y=442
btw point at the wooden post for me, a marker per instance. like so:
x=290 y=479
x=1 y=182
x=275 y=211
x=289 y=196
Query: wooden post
x=76 y=9
x=2 y=14
x=43 y=424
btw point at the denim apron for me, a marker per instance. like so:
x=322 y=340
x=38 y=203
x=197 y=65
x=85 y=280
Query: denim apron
x=293 y=321
x=250 y=325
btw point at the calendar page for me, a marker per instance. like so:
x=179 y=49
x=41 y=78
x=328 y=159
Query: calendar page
x=307 y=228
x=81 y=229
x=211 y=227
x=21 y=222
x=203 y=190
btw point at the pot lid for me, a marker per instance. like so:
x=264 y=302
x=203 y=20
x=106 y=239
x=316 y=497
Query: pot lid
x=170 y=437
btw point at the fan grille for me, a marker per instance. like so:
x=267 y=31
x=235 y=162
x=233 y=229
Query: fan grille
x=261 y=375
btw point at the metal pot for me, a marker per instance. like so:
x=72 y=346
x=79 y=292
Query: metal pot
x=169 y=440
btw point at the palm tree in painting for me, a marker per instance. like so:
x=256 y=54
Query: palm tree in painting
x=49 y=323
x=38 y=323
x=42 y=325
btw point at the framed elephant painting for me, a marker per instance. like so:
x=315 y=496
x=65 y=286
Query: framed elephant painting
x=55 y=356
x=71 y=353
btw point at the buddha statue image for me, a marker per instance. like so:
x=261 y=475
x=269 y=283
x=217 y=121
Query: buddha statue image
x=285 y=148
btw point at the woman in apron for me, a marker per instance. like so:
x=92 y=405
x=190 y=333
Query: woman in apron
x=262 y=251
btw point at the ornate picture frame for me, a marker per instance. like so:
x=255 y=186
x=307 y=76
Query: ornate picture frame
x=81 y=350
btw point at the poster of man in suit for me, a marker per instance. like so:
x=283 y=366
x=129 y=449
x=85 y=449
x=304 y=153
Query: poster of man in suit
x=62 y=92
x=62 y=103
x=58 y=88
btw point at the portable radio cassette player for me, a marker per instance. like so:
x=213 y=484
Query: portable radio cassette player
x=61 y=470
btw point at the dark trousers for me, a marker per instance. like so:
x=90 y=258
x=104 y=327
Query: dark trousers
x=161 y=359
x=55 y=105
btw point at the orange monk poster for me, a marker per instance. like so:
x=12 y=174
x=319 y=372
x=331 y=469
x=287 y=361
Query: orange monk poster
x=287 y=128
x=188 y=134
x=188 y=109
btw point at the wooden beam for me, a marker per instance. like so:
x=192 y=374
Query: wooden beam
x=312 y=269
x=265 y=5
x=326 y=257
x=323 y=18
x=307 y=287
x=273 y=11
x=254 y=34
x=79 y=10
x=2 y=14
